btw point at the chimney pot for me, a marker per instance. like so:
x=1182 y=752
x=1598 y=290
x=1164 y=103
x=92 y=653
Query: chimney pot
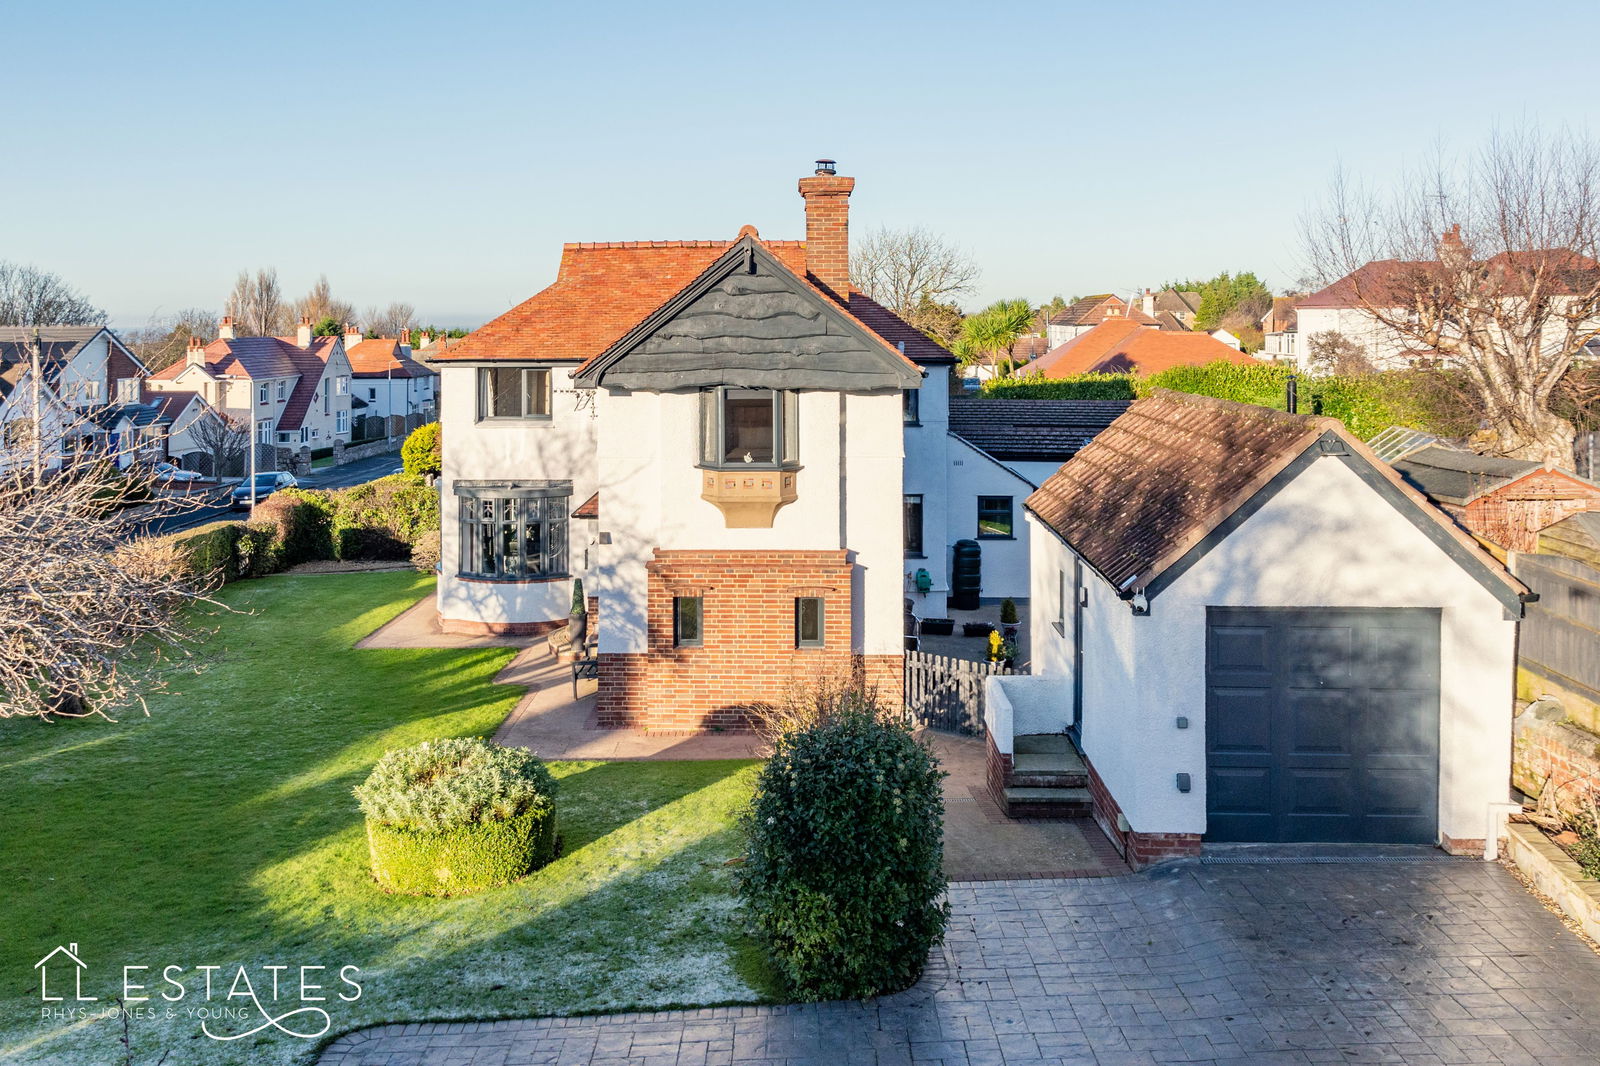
x=302 y=333
x=827 y=167
x=405 y=337
x=225 y=331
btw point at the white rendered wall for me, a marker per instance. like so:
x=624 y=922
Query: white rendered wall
x=927 y=447
x=562 y=448
x=971 y=474
x=1326 y=539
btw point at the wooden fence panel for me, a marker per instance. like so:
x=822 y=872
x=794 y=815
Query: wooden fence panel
x=944 y=692
x=1561 y=631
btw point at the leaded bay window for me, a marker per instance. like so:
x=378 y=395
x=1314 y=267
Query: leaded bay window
x=513 y=392
x=742 y=427
x=513 y=531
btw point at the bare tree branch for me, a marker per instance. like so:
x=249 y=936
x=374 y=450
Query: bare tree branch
x=32 y=297
x=257 y=306
x=912 y=272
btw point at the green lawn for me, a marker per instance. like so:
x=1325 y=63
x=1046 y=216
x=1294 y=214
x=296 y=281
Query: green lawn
x=220 y=831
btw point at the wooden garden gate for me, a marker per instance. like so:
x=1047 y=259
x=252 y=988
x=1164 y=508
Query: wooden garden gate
x=943 y=692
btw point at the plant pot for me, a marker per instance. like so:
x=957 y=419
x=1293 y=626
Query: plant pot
x=578 y=630
x=1009 y=630
x=938 y=627
x=976 y=629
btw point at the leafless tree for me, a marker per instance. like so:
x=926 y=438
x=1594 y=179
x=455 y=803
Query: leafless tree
x=163 y=341
x=90 y=613
x=319 y=304
x=1489 y=266
x=389 y=321
x=1331 y=352
x=257 y=306
x=226 y=440
x=32 y=297
x=911 y=271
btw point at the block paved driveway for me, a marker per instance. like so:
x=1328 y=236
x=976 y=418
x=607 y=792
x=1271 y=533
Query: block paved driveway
x=1423 y=962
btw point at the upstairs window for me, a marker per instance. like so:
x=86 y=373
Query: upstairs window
x=341 y=385
x=911 y=406
x=513 y=392
x=261 y=394
x=912 y=505
x=283 y=390
x=742 y=427
x=127 y=390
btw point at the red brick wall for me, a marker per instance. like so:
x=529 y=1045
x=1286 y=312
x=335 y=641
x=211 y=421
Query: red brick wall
x=999 y=770
x=1140 y=849
x=748 y=654
x=500 y=629
x=118 y=366
x=1550 y=753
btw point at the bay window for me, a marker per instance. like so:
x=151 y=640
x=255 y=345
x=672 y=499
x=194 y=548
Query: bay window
x=512 y=531
x=742 y=427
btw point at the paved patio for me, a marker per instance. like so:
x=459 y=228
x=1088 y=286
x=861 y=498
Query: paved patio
x=1420 y=962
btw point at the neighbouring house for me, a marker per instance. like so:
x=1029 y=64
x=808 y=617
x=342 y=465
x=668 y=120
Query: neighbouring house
x=294 y=392
x=1280 y=329
x=393 y=392
x=710 y=434
x=85 y=372
x=1086 y=313
x=1171 y=308
x=182 y=413
x=1341 y=310
x=1255 y=630
x=1223 y=336
x=1507 y=502
x=970 y=462
x=1122 y=346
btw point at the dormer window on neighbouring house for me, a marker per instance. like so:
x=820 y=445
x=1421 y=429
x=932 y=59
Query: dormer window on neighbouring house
x=742 y=428
x=513 y=392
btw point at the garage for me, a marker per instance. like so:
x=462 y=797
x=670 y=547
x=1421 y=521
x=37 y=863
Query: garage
x=1322 y=724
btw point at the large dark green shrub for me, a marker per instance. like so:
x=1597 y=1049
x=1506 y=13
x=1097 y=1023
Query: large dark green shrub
x=303 y=521
x=212 y=550
x=843 y=871
x=369 y=544
x=451 y=816
x=421 y=453
x=256 y=550
x=391 y=514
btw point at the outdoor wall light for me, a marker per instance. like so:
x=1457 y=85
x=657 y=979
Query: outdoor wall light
x=1183 y=723
x=1183 y=782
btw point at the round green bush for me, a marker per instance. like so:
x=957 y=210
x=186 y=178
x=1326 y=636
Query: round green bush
x=452 y=816
x=843 y=873
x=421 y=453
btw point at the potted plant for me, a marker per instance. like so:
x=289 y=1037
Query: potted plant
x=449 y=817
x=578 y=622
x=1008 y=618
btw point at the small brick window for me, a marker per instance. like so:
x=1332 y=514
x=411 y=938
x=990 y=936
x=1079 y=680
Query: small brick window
x=994 y=516
x=688 y=615
x=808 y=627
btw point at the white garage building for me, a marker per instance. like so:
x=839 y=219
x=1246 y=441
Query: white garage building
x=1254 y=630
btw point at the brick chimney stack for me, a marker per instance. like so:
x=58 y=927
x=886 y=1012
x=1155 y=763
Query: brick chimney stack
x=827 y=199
x=195 y=354
x=302 y=333
x=225 y=332
x=352 y=336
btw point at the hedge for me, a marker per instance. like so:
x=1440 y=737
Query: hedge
x=303 y=524
x=213 y=549
x=1365 y=403
x=843 y=870
x=457 y=861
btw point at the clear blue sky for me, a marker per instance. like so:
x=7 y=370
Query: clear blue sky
x=440 y=153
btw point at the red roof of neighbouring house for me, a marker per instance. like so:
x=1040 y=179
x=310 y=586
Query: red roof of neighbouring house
x=250 y=357
x=1093 y=310
x=383 y=357
x=602 y=291
x=1393 y=282
x=310 y=363
x=1119 y=346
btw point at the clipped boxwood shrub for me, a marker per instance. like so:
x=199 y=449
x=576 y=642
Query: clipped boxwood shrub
x=448 y=817
x=843 y=871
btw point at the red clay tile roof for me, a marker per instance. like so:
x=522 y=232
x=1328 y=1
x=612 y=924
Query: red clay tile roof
x=1093 y=310
x=310 y=363
x=382 y=357
x=1122 y=346
x=1391 y=282
x=250 y=357
x=1171 y=469
x=604 y=290
x=590 y=508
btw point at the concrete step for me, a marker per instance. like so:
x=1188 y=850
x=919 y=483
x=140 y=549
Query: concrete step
x=1056 y=769
x=1048 y=779
x=1024 y=802
x=1042 y=744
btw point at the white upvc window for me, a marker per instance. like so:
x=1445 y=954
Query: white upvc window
x=127 y=390
x=283 y=389
x=341 y=385
x=264 y=432
x=341 y=422
x=262 y=395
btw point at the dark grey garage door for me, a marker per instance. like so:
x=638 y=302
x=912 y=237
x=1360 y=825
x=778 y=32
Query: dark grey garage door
x=1322 y=724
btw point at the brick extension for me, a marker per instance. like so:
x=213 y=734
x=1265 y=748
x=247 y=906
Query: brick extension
x=1139 y=849
x=747 y=656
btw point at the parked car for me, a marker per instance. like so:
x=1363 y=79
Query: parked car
x=265 y=485
x=169 y=472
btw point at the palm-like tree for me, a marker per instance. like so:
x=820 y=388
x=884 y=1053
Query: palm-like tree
x=993 y=331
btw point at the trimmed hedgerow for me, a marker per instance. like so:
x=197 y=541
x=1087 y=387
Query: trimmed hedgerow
x=393 y=512
x=451 y=816
x=843 y=869
x=212 y=550
x=255 y=551
x=303 y=521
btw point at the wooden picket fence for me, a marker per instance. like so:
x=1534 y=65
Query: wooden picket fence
x=943 y=692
